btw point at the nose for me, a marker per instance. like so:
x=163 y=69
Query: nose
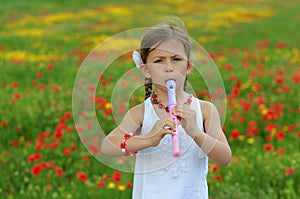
x=169 y=67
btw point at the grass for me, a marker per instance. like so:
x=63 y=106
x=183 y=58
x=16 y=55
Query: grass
x=42 y=45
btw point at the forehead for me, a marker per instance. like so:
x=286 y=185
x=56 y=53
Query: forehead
x=171 y=46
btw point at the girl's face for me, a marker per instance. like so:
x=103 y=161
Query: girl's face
x=168 y=61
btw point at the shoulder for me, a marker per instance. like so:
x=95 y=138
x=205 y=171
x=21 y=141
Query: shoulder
x=205 y=105
x=208 y=109
x=136 y=113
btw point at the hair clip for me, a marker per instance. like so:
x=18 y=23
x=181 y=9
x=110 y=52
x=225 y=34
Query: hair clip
x=137 y=58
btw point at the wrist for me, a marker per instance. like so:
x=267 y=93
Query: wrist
x=148 y=141
x=123 y=144
x=198 y=136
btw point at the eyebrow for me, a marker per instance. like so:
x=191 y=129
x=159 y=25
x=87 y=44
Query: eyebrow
x=166 y=56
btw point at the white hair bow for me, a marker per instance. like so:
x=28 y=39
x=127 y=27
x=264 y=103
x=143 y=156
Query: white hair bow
x=137 y=58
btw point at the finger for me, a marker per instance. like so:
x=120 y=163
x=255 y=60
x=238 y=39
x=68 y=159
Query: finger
x=169 y=124
x=166 y=127
x=165 y=132
x=177 y=110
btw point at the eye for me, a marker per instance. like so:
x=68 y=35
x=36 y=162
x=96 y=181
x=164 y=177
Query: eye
x=158 y=61
x=177 y=59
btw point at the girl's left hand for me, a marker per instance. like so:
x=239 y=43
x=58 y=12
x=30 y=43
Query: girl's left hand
x=187 y=117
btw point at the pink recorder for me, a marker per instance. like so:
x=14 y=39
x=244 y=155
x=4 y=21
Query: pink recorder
x=171 y=87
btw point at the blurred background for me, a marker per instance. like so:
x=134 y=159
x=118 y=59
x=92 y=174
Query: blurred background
x=254 y=43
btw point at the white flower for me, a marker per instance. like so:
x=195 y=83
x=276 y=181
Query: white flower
x=137 y=58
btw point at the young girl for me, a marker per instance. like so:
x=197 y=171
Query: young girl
x=146 y=129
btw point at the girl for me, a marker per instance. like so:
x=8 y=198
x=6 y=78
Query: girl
x=146 y=129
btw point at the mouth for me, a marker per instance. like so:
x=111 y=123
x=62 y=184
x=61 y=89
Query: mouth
x=170 y=79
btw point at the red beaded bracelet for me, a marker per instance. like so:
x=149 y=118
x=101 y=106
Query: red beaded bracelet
x=123 y=145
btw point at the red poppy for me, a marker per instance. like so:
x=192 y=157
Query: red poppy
x=54 y=145
x=279 y=80
x=232 y=77
x=289 y=171
x=271 y=127
x=42 y=87
x=55 y=88
x=36 y=169
x=66 y=152
x=81 y=176
x=281 y=44
x=39 y=75
x=250 y=95
x=15 y=85
x=103 y=83
x=235 y=134
x=218 y=177
x=73 y=148
x=242 y=119
x=3 y=123
x=268 y=147
x=18 y=96
x=227 y=67
x=214 y=168
x=280 y=135
x=34 y=157
x=58 y=134
x=235 y=92
x=101 y=183
x=260 y=100
x=116 y=177
x=281 y=151
x=269 y=138
x=34 y=83
x=257 y=87
x=246 y=105
x=94 y=149
x=50 y=67
x=128 y=184
x=59 y=171
x=15 y=143
x=85 y=158
x=60 y=126
x=48 y=187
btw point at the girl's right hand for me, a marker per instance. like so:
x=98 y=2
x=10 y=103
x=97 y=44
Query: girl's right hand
x=160 y=129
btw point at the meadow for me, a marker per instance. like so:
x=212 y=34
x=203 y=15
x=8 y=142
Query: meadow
x=254 y=44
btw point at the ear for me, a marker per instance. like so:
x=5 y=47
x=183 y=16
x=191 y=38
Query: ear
x=145 y=70
x=189 y=67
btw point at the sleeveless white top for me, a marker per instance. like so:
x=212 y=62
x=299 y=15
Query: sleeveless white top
x=160 y=176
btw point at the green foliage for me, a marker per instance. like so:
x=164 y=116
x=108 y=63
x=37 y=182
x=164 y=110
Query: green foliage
x=42 y=45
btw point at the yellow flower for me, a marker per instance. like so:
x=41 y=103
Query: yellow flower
x=121 y=187
x=31 y=32
x=250 y=140
x=263 y=109
x=118 y=10
x=107 y=105
x=273 y=132
x=111 y=185
x=241 y=137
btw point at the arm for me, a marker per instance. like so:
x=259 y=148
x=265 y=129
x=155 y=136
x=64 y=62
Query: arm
x=132 y=122
x=213 y=142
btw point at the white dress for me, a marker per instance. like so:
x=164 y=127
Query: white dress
x=160 y=176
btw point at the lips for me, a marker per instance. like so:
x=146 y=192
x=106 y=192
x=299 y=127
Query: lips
x=170 y=79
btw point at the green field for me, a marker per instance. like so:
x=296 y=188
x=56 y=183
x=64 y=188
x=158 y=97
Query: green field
x=255 y=45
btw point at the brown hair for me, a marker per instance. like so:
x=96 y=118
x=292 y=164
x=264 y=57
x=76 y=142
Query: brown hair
x=157 y=35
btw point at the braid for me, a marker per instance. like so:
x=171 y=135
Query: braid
x=185 y=84
x=148 y=87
